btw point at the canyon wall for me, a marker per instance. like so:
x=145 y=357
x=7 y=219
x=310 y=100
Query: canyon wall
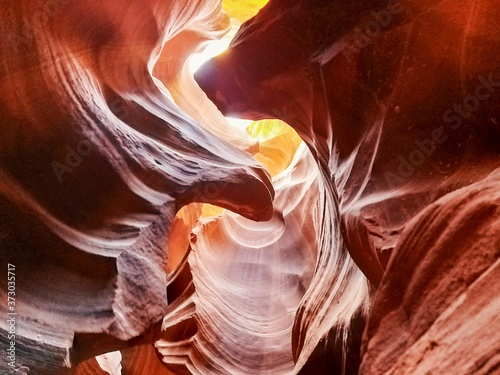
x=148 y=235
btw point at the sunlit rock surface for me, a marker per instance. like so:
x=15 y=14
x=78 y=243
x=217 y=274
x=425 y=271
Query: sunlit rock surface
x=247 y=279
x=400 y=104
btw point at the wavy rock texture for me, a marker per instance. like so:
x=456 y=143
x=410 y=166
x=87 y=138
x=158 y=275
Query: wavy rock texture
x=95 y=160
x=439 y=300
x=381 y=253
x=277 y=144
x=247 y=279
x=399 y=102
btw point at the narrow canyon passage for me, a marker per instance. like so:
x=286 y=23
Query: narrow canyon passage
x=207 y=187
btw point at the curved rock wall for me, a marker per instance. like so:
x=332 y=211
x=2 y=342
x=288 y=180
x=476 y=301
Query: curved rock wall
x=399 y=102
x=380 y=252
x=95 y=160
x=247 y=281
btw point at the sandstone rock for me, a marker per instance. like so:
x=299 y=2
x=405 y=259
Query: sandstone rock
x=95 y=160
x=437 y=308
x=381 y=252
x=400 y=104
x=244 y=283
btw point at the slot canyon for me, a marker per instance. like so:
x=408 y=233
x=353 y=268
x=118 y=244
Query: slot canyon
x=250 y=187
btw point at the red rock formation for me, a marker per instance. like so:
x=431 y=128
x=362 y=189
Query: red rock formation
x=399 y=101
x=436 y=310
x=106 y=136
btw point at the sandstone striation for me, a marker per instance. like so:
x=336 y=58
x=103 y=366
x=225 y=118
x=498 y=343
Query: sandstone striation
x=247 y=279
x=95 y=160
x=151 y=236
